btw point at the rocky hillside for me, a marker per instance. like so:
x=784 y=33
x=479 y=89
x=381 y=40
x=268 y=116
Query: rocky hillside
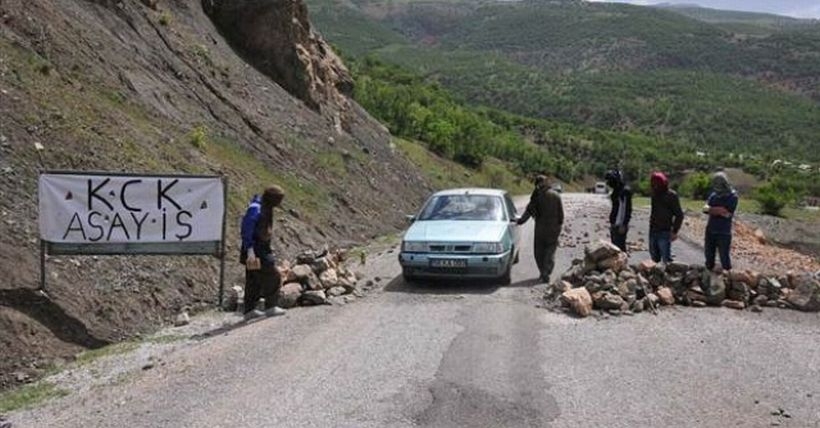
x=240 y=88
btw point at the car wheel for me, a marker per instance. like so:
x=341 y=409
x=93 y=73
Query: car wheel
x=408 y=278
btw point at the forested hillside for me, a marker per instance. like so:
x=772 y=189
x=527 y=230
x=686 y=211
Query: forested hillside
x=611 y=67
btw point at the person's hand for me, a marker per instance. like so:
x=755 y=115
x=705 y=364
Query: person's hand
x=673 y=237
x=252 y=262
x=622 y=229
x=720 y=212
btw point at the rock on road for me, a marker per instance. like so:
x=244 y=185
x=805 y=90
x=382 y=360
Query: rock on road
x=476 y=355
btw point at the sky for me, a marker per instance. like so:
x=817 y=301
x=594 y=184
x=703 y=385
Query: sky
x=794 y=8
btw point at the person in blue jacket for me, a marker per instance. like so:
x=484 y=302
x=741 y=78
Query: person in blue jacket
x=720 y=207
x=262 y=279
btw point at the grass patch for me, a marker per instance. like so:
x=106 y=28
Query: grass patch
x=444 y=174
x=250 y=175
x=28 y=396
x=166 y=339
x=202 y=52
x=332 y=162
x=92 y=355
x=745 y=205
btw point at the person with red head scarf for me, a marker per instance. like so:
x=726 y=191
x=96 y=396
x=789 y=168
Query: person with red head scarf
x=665 y=220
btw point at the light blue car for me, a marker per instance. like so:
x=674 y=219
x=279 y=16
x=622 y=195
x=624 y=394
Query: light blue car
x=462 y=233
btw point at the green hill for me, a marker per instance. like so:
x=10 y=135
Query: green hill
x=611 y=67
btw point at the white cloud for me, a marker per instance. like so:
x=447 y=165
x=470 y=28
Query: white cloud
x=794 y=8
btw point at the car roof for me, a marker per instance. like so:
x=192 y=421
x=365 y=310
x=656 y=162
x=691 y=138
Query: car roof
x=471 y=191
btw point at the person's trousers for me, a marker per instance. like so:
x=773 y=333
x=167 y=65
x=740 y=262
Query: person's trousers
x=720 y=244
x=660 y=246
x=618 y=239
x=265 y=283
x=545 y=256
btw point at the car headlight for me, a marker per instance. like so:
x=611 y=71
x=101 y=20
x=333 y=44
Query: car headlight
x=488 y=247
x=414 y=246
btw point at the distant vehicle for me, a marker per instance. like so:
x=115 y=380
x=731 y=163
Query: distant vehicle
x=558 y=187
x=600 y=188
x=462 y=233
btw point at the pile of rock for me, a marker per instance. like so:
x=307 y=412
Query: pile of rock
x=312 y=278
x=604 y=280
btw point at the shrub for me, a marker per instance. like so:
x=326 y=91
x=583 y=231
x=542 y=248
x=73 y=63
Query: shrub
x=165 y=19
x=199 y=137
x=772 y=200
x=697 y=186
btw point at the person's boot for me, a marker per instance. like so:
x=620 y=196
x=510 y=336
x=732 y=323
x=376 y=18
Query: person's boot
x=274 y=311
x=255 y=313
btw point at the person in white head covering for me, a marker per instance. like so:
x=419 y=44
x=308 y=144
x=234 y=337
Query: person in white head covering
x=720 y=207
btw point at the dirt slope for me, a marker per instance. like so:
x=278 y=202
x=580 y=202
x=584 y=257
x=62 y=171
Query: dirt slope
x=151 y=86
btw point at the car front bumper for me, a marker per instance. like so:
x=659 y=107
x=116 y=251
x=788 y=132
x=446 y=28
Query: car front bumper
x=478 y=265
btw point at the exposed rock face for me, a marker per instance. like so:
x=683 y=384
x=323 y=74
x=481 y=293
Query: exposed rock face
x=275 y=36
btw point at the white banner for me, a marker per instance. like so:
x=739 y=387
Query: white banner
x=77 y=208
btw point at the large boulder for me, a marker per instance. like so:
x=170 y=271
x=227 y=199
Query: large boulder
x=677 y=268
x=322 y=264
x=665 y=296
x=313 y=282
x=734 y=304
x=300 y=273
x=603 y=250
x=314 y=297
x=289 y=295
x=579 y=300
x=329 y=278
x=616 y=263
x=336 y=291
x=627 y=288
x=739 y=291
x=606 y=300
x=556 y=289
x=714 y=289
x=646 y=266
x=806 y=294
x=233 y=297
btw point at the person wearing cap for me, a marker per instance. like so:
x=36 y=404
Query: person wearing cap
x=665 y=219
x=262 y=278
x=720 y=207
x=621 y=212
x=546 y=207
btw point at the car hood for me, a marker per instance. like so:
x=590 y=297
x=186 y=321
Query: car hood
x=456 y=231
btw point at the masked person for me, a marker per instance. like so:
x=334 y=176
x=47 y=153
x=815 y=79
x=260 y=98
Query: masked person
x=262 y=279
x=665 y=219
x=546 y=207
x=721 y=207
x=621 y=212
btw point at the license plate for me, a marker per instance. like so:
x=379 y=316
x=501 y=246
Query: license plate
x=448 y=263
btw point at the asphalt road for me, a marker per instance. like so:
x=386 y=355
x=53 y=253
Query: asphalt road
x=442 y=355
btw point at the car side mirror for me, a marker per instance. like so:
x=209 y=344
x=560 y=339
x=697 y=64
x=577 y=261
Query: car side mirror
x=410 y=218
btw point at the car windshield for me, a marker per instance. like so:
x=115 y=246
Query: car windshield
x=464 y=207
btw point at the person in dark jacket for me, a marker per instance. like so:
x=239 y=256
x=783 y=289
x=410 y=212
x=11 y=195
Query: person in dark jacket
x=546 y=207
x=721 y=207
x=621 y=212
x=665 y=219
x=262 y=279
